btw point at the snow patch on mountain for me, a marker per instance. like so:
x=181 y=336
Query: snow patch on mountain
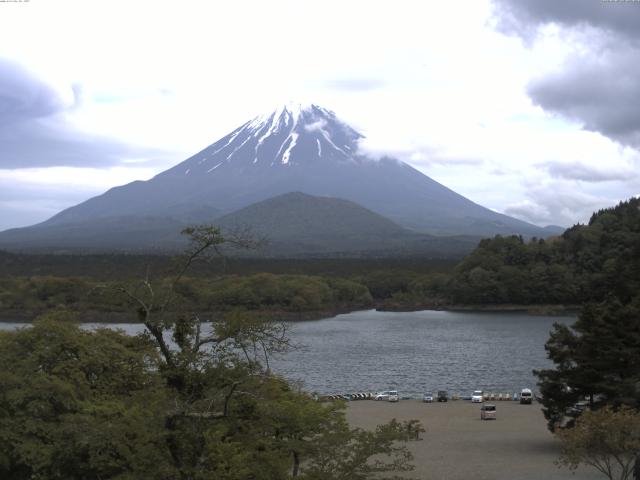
x=287 y=153
x=292 y=134
x=214 y=167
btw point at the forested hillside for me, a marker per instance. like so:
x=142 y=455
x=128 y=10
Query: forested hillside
x=585 y=263
x=26 y=297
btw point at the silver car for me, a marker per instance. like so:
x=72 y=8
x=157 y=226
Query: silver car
x=488 y=412
x=387 y=395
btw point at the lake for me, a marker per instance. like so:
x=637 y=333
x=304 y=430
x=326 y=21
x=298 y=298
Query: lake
x=412 y=352
x=415 y=352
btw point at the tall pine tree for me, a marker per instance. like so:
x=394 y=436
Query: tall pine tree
x=598 y=358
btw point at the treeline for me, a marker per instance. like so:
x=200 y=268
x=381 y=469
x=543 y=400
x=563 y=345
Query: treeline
x=584 y=264
x=264 y=291
x=122 y=266
x=297 y=293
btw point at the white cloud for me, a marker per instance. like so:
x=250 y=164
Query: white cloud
x=316 y=126
x=432 y=83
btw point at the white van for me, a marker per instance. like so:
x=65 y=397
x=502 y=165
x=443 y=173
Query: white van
x=388 y=395
x=526 y=396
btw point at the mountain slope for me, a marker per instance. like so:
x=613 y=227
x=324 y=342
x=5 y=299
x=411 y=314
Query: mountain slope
x=305 y=149
x=293 y=225
x=133 y=234
x=295 y=214
x=301 y=224
x=293 y=149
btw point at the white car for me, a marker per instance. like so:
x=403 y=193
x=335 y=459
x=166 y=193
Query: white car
x=388 y=395
x=477 y=396
x=526 y=396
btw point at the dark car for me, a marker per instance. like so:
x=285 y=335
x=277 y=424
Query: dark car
x=443 y=396
x=576 y=410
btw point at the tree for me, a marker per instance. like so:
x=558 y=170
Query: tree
x=344 y=454
x=232 y=415
x=188 y=399
x=597 y=358
x=76 y=404
x=606 y=439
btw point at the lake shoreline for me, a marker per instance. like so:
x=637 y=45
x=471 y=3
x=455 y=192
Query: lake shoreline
x=534 y=309
x=94 y=316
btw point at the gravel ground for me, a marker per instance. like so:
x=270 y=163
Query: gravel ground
x=458 y=445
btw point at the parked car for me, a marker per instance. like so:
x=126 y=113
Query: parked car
x=477 y=396
x=387 y=395
x=381 y=396
x=488 y=412
x=427 y=397
x=526 y=396
x=443 y=396
x=577 y=409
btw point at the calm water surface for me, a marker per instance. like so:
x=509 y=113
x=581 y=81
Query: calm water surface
x=412 y=352
x=416 y=352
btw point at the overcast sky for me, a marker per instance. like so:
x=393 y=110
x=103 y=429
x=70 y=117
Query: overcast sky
x=528 y=107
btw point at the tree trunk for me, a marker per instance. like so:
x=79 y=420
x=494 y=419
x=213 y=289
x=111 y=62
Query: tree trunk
x=227 y=398
x=296 y=464
x=636 y=468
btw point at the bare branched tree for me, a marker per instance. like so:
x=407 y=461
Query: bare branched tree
x=181 y=338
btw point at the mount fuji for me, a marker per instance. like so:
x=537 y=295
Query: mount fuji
x=295 y=148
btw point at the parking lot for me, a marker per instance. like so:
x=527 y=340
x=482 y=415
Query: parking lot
x=458 y=445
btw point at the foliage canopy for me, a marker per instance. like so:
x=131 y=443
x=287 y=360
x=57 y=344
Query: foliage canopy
x=188 y=399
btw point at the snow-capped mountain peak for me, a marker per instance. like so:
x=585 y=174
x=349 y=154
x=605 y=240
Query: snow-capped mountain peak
x=292 y=134
x=289 y=112
x=294 y=148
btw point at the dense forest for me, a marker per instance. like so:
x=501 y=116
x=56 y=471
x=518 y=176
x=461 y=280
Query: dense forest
x=29 y=296
x=584 y=264
x=591 y=395
x=578 y=266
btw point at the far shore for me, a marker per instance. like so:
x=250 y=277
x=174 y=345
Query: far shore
x=537 y=309
x=93 y=316
x=458 y=445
